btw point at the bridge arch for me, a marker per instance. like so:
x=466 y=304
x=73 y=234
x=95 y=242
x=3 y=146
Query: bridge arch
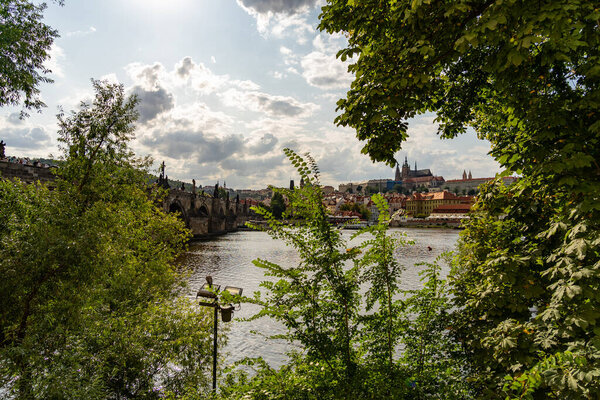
x=176 y=208
x=202 y=211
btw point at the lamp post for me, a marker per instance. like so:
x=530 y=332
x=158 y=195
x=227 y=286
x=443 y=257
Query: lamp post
x=210 y=292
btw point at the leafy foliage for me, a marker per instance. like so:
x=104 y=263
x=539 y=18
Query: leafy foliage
x=526 y=76
x=89 y=300
x=349 y=340
x=277 y=205
x=25 y=44
x=496 y=65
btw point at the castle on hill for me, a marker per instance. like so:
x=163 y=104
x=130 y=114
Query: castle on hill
x=409 y=173
x=412 y=178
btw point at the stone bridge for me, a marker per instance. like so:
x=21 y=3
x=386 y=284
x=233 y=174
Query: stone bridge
x=26 y=173
x=205 y=215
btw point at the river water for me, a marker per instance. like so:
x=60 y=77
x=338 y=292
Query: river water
x=228 y=259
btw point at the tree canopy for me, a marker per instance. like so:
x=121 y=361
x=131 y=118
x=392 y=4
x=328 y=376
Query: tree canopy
x=277 y=205
x=501 y=66
x=25 y=43
x=525 y=75
x=90 y=303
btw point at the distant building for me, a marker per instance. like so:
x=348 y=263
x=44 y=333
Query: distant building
x=423 y=204
x=353 y=187
x=468 y=183
x=409 y=173
x=451 y=211
x=379 y=185
x=412 y=179
x=327 y=190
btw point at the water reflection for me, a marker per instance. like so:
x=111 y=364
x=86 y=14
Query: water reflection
x=228 y=259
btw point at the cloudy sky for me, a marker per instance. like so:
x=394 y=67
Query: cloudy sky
x=224 y=86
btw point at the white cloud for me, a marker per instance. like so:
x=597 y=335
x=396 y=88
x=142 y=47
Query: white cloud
x=112 y=78
x=185 y=74
x=147 y=76
x=277 y=6
x=54 y=63
x=198 y=143
x=321 y=68
x=278 y=106
x=281 y=18
x=23 y=136
x=278 y=75
x=75 y=96
x=81 y=33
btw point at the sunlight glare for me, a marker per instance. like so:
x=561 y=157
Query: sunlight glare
x=161 y=5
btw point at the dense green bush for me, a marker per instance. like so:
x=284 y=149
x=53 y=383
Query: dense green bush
x=89 y=295
x=350 y=340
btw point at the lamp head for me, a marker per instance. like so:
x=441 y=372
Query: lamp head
x=226 y=313
x=234 y=291
x=209 y=291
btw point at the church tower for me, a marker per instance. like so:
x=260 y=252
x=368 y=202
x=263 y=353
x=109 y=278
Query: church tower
x=470 y=176
x=398 y=175
x=464 y=176
x=405 y=169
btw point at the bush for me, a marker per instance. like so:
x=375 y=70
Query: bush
x=89 y=295
x=349 y=340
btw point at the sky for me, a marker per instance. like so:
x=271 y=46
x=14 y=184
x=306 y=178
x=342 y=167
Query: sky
x=223 y=87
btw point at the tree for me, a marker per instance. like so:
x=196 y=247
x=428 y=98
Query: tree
x=25 y=43
x=277 y=205
x=90 y=301
x=357 y=207
x=526 y=76
x=372 y=190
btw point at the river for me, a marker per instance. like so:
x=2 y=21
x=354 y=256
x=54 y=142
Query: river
x=228 y=259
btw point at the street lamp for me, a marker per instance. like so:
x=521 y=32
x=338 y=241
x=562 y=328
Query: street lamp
x=210 y=292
